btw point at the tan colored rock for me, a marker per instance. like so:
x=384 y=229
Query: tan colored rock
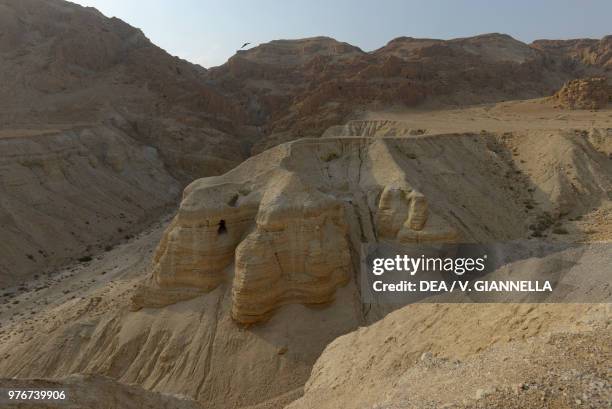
x=418 y=212
x=438 y=230
x=293 y=250
x=393 y=210
x=297 y=253
x=587 y=93
x=201 y=241
x=194 y=347
x=403 y=216
x=67 y=194
x=285 y=226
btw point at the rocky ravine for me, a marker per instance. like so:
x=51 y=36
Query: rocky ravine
x=100 y=130
x=64 y=67
x=298 y=88
x=181 y=328
x=70 y=193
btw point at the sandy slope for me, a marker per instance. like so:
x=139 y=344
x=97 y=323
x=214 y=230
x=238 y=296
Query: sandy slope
x=91 y=392
x=433 y=356
x=491 y=356
x=67 y=194
x=81 y=322
x=80 y=319
x=97 y=125
x=533 y=115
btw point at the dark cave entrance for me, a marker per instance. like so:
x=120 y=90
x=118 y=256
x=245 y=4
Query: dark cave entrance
x=221 y=229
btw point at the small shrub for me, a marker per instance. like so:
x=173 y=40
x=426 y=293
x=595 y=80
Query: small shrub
x=331 y=156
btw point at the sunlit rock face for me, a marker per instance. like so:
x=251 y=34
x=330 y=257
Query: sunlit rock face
x=297 y=252
x=287 y=226
x=403 y=216
x=586 y=93
x=285 y=244
x=200 y=243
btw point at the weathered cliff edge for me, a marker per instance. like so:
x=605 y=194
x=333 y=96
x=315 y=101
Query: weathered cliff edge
x=286 y=226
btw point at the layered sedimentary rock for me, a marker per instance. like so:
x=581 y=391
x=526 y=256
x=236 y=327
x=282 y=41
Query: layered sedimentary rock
x=587 y=93
x=99 y=130
x=298 y=251
x=298 y=88
x=62 y=63
x=590 y=52
x=201 y=241
x=286 y=226
x=403 y=214
x=285 y=243
x=64 y=66
x=484 y=187
x=68 y=194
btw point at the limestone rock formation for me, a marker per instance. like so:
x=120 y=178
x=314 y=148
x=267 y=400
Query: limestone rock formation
x=299 y=88
x=72 y=193
x=99 y=131
x=192 y=348
x=403 y=214
x=588 y=52
x=180 y=334
x=286 y=243
x=201 y=241
x=298 y=252
x=63 y=66
x=587 y=93
x=285 y=226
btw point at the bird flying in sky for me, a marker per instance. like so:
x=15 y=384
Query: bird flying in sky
x=244 y=45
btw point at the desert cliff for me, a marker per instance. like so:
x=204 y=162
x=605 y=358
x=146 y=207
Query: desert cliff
x=175 y=236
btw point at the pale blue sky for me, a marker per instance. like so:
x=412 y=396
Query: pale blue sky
x=208 y=32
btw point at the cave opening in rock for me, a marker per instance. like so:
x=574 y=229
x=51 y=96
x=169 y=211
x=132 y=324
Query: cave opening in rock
x=222 y=229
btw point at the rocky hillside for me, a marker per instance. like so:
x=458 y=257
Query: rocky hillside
x=321 y=81
x=469 y=356
x=66 y=64
x=587 y=93
x=585 y=54
x=283 y=226
x=99 y=131
x=233 y=302
x=63 y=64
x=70 y=194
x=258 y=272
